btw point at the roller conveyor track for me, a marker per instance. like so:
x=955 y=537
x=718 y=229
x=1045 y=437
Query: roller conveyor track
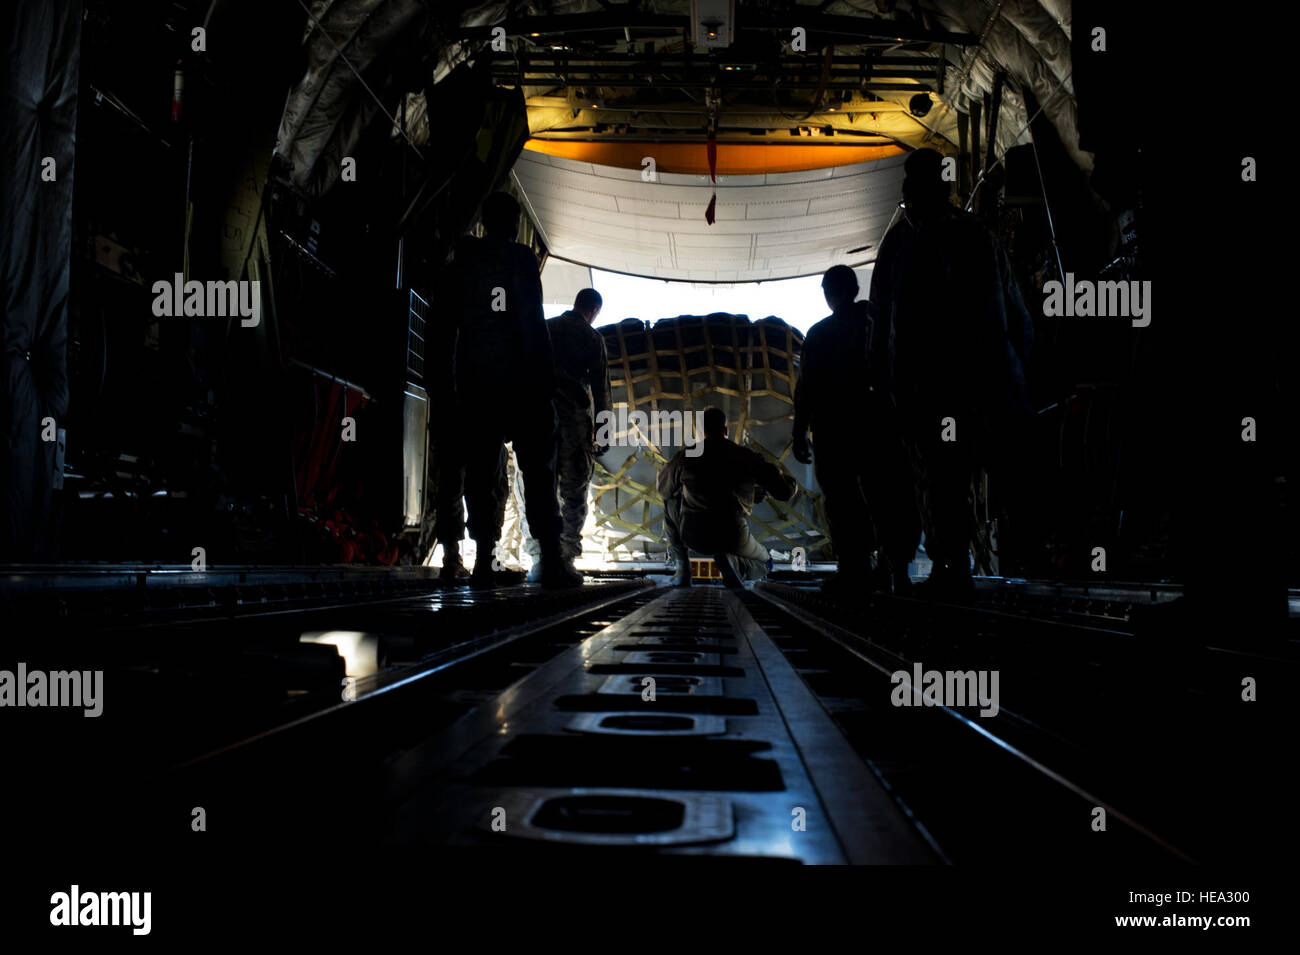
x=573 y=758
x=511 y=724
x=767 y=714
x=732 y=758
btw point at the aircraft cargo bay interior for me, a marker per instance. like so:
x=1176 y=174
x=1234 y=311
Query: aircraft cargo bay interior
x=460 y=447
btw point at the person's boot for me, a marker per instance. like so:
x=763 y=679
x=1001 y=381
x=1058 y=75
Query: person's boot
x=900 y=584
x=682 y=576
x=453 y=572
x=534 y=575
x=484 y=577
x=681 y=563
x=729 y=576
x=879 y=580
x=557 y=573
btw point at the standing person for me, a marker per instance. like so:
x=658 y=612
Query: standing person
x=446 y=420
x=448 y=445
x=962 y=335
x=581 y=388
x=861 y=464
x=707 y=501
x=504 y=383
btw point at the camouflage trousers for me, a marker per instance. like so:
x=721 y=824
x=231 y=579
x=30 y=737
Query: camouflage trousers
x=713 y=539
x=575 y=463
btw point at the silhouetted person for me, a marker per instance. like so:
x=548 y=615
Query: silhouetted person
x=707 y=501
x=445 y=424
x=504 y=382
x=581 y=389
x=861 y=464
x=961 y=336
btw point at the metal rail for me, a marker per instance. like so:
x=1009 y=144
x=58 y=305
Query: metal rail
x=731 y=755
x=874 y=656
x=362 y=695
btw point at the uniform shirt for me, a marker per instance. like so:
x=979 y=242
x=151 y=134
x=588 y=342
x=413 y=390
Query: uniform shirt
x=581 y=375
x=843 y=355
x=503 y=350
x=442 y=333
x=716 y=488
x=960 y=325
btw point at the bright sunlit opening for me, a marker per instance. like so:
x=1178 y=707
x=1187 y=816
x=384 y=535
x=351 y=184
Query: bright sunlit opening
x=797 y=301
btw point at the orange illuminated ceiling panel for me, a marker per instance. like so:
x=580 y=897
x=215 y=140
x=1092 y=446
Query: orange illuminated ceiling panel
x=767 y=225
x=734 y=159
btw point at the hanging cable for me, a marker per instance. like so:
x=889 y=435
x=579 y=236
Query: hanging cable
x=1047 y=208
x=984 y=172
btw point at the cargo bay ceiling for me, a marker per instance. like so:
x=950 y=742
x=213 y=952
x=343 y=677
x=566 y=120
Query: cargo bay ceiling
x=812 y=107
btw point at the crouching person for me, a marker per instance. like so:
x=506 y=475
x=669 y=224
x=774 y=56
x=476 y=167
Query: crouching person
x=708 y=492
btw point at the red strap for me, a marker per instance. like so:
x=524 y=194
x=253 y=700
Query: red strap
x=711 y=148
